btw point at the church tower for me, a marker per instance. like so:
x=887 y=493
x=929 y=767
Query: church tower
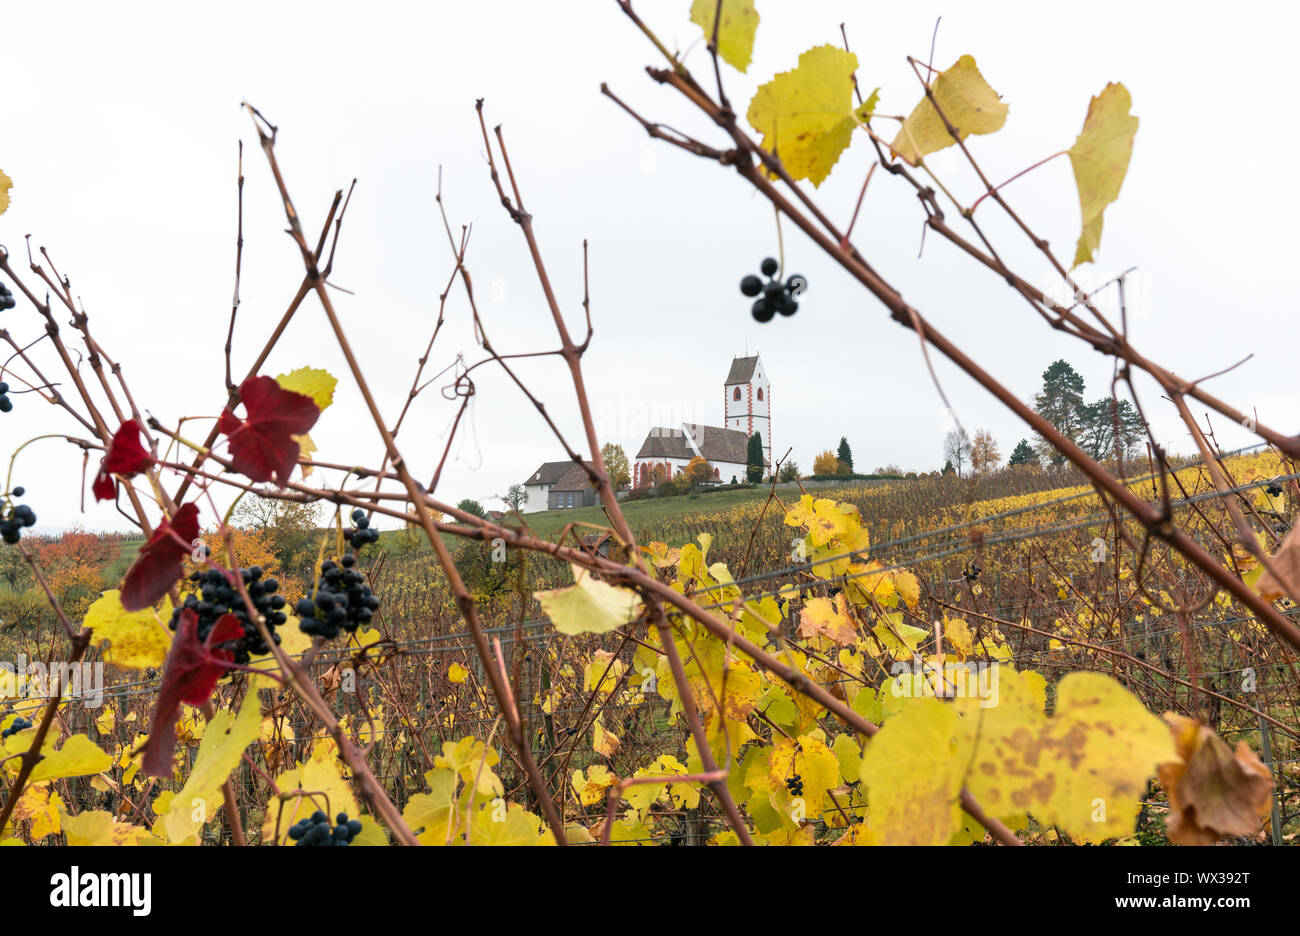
x=749 y=401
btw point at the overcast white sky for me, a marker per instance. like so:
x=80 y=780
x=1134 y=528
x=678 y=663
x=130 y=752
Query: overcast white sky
x=120 y=127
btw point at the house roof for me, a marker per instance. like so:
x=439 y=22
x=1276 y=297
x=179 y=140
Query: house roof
x=549 y=472
x=665 y=443
x=715 y=444
x=720 y=445
x=575 y=479
x=742 y=370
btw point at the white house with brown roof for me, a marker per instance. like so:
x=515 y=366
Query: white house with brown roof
x=747 y=410
x=557 y=485
x=537 y=487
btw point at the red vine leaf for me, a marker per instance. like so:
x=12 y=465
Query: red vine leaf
x=126 y=456
x=262 y=444
x=189 y=675
x=160 y=562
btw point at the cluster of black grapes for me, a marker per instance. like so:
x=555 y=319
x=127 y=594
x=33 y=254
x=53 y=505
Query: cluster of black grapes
x=776 y=295
x=6 y=404
x=316 y=830
x=971 y=572
x=19 y=724
x=794 y=785
x=342 y=599
x=217 y=597
x=360 y=534
x=14 y=519
x=6 y=298
x=1274 y=489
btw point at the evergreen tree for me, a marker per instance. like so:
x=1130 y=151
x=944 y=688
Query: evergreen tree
x=1022 y=454
x=1060 y=402
x=845 y=454
x=754 y=459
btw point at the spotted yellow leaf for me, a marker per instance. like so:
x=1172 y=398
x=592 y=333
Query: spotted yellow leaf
x=968 y=102
x=78 y=757
x=100 y=828
x=830 y=619
x=806 y=115
x=736 y=31
x=136 y=639
x=1100 y=158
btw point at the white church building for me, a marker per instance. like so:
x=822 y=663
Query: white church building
x=747 y=408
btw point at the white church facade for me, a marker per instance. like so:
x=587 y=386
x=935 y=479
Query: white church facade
x=747 y=411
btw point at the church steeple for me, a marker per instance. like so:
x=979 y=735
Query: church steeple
x=748 y=400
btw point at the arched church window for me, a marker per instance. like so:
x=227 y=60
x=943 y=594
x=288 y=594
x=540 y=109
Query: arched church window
x=736 y=395
x=760 y=393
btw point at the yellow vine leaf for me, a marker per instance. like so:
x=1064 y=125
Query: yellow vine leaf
x=806 y=115
x=591 y=788
x=6 y=184
x=824 y=519
x=968 y=102
x=736 y=32
x=900 y=640
x=310 y=381
x=1084 y=770
x=957 y=633
x=644 y=795
x=472 y=760
x=850 y=757
x=457 y=673
x=912 y=770
x=603 y=742
x=430 y=815
x=100 y=828
x=661 y=555
x=516 y=828
x=40 y=805
x=371 y=834
x=589 y=606
x=815 y=763
x=321 y=774
x=629 y=829
x=723 y=736
x=824 y=617
x=601 y=674
x=1100 y=159
x=293 y=642
x=905 y=584
x=105 y=721
x=1214 y=792
x=137 y=639
x=79 y=757
x=1287 y=563
x=306 y=449
x=224 y=741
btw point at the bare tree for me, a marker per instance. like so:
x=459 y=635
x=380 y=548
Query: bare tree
x=957 y=448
